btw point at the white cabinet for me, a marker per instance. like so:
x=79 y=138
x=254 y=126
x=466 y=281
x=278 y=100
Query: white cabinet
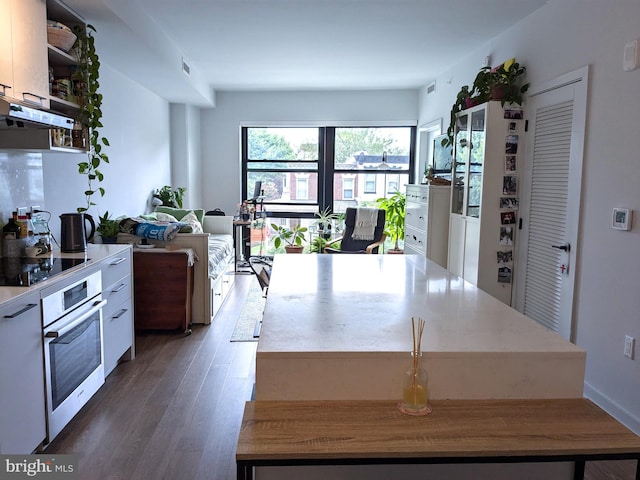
x=483 y=221
x=427 y=222
x=29 y=52
x=117 y=315
x=22 y=407
x=6 y=51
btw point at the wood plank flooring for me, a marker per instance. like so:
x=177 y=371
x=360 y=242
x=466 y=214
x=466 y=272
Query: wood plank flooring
x=174 y=412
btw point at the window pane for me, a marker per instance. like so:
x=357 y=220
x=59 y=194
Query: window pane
x=363 y=148
x=292 y=144
x=282 y=187
x=355 y=185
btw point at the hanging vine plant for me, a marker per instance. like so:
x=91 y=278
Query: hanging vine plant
x=90 y=117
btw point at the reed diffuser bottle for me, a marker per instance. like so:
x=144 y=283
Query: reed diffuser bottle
x=415 y=388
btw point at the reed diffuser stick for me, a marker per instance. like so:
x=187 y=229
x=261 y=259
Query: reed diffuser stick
x=417 y=346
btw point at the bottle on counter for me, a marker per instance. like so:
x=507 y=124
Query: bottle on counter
x=11 y=231
x=11 y=239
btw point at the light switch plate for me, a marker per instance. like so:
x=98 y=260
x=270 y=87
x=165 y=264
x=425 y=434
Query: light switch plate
x=631 y=56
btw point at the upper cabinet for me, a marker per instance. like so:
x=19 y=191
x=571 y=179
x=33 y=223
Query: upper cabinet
x=30 y=73
x=484 y=201
x=6 y=49
x=35 y=67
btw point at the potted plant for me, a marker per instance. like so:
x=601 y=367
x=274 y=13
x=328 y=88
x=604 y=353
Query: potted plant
x=317 y=245
x=170 y=197
x=108 y=228
x=324 y=222
x=394 y=206
x=291 y=238
x=502 y=83
x=90 y=116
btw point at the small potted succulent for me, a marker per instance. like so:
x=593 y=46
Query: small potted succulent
x=108 y=228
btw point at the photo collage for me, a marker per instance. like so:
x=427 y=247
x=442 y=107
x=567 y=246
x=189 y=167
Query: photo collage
x=509 y=199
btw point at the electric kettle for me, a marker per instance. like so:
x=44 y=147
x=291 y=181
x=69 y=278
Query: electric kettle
x=73 y=232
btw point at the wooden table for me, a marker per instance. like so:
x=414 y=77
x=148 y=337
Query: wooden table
x=283 y=433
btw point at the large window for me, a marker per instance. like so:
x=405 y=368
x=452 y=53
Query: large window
x=304 y=170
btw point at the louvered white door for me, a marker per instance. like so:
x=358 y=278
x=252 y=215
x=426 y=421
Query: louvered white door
x=551 y=202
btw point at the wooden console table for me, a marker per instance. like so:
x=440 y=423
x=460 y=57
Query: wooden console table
x=281 y=433
x=163 y=287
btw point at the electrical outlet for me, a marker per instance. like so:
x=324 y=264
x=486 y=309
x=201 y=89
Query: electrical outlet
x=629 y=343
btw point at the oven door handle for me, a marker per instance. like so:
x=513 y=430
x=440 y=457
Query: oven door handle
x=58 y=332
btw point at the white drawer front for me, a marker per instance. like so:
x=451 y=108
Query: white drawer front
x=416 y=215
x=416 y=239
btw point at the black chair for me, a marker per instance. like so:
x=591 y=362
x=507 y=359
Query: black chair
x=350 y=245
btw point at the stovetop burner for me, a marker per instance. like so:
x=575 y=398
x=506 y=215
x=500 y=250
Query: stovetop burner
x=24 y=272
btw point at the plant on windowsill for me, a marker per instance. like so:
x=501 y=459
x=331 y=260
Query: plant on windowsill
x=291 y=238
x=90 y=116
x=317 y=245
x=324 y=221
x=394 y=206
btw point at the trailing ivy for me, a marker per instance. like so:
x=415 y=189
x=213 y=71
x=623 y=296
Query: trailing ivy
x=91 y=114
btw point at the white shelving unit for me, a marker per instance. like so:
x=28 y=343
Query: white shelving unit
x=484 y=196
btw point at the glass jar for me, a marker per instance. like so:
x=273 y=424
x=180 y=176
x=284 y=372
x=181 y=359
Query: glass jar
x=415 y=388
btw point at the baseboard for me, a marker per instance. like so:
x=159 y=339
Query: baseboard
x=629 y=420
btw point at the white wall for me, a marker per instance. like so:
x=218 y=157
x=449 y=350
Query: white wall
x=560 y=37
x=136 y=123
x=185 y=152
x=221 y=127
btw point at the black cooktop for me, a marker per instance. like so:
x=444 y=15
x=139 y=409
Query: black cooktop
x=24 y=272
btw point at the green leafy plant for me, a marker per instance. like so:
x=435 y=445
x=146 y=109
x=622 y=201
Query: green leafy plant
x=394 y=206
x=294 y=236
x=504 y=83
x=107 y=227
x=90 y=116
x=317 y=245
x=324 y=222
x=171 y=197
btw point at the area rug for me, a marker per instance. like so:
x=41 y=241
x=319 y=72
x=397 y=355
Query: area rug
x=247 y=328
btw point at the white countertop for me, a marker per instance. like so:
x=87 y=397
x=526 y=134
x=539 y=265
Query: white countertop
x=95 y=254
x=362 y=303
x=335 y=318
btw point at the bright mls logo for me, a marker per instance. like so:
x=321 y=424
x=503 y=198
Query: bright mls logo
x=51 y=467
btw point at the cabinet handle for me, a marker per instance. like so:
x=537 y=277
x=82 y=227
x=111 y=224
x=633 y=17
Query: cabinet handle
x=119 y=314
x=20 y=312
x=118 y=288
x=117 y=261
x=36 y=100
x=4 y=87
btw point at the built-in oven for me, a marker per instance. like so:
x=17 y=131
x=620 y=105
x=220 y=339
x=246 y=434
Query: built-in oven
x=73 y=349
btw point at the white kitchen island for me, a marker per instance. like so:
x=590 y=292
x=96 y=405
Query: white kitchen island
x=338 y=327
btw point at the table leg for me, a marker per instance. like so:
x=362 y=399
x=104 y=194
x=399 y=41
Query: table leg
x=244 y=471
x=578 y=472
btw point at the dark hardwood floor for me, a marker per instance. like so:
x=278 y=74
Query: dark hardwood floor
x=174 y=412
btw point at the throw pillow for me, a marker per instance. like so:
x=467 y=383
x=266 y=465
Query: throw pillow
x=192 y=223
x=165 y=217
x=179 y=212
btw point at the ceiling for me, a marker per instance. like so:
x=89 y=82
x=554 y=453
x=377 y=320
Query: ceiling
x=250 y=45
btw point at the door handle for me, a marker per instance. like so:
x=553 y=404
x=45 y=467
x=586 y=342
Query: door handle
x=566 y=247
